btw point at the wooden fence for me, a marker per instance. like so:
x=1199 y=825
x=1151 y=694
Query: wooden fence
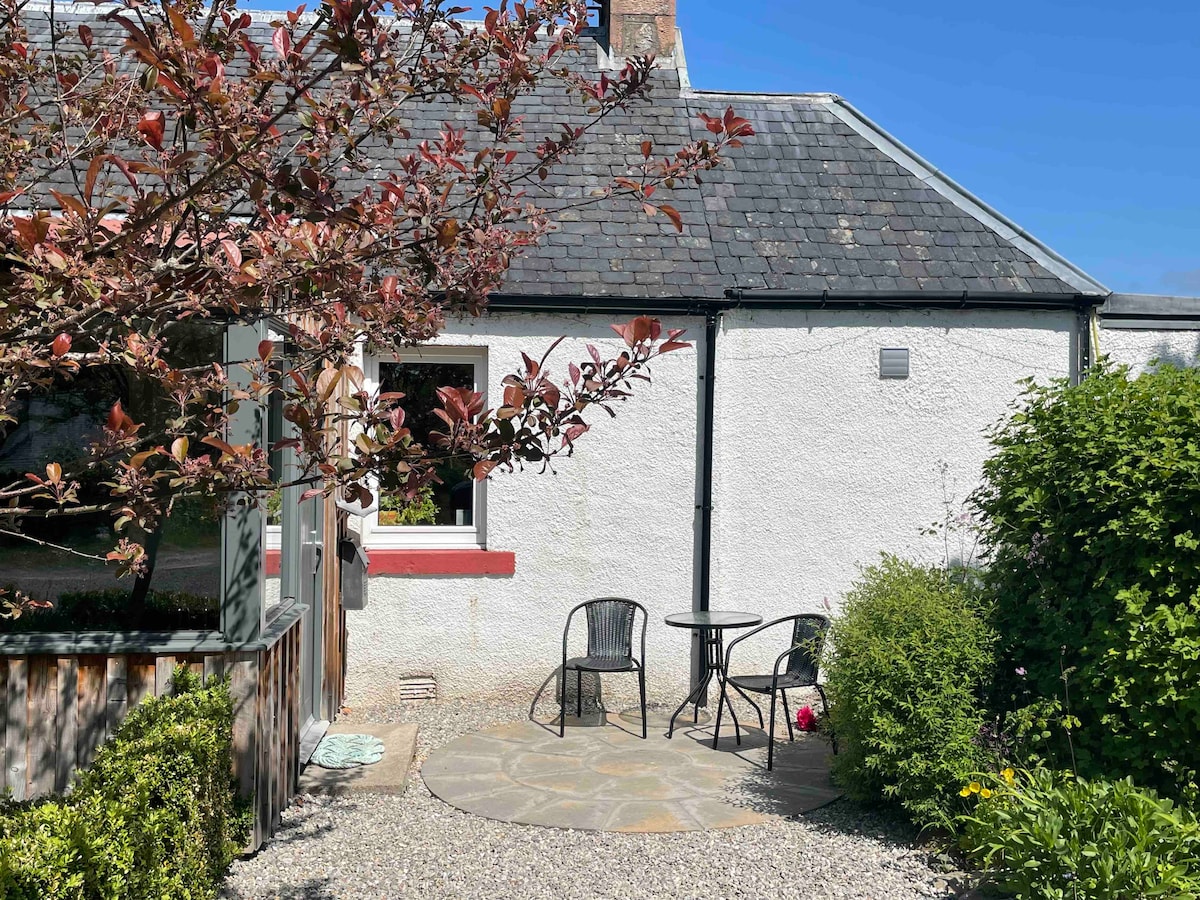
x=60 y=707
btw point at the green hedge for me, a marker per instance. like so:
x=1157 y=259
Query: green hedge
x=1090 y=513
x=912 y=652
x=111 y=610
x=156 y=815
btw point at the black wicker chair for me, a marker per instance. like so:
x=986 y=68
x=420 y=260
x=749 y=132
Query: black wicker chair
x=610 y=624
x=808 y=634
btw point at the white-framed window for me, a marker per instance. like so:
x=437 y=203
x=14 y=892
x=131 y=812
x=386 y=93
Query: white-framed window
x=451 y=514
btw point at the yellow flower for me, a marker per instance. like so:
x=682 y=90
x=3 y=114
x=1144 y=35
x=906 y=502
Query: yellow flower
x=1007 y=775
x=973 y=787
x=985 y=793
x=965 y=792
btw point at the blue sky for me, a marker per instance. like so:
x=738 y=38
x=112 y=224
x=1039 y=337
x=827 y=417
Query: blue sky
x=1079 y=119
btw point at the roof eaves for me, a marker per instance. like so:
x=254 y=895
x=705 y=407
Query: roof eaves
x=1151 y=311
x=966 y=201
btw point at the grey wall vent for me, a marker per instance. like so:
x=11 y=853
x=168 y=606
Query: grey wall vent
x=893 y=362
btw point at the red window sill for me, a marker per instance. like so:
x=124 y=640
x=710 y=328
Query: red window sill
x=441 y=562
x=427 y=562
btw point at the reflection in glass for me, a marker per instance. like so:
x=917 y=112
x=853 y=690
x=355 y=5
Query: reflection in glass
x=453 y=501
x=183 y=588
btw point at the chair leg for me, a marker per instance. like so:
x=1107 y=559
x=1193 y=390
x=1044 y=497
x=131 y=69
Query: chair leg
x=787 y=715
x=642 y=691
x=825 y=706
x=748 y=699
x=579 y=693
x=562 y=705
x=771 y=736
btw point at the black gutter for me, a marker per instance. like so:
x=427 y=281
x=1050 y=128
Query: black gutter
x=884 y=300
x=556 y=303
x=743 y=298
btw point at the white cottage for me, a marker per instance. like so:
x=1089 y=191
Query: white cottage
x=860 y=320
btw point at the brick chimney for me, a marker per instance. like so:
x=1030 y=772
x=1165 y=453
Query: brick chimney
x=641 y=26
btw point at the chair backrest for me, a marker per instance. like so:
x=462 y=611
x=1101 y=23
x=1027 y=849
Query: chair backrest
x=610 y=626
x=808 y=634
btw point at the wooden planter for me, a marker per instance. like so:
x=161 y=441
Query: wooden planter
x=64 y=695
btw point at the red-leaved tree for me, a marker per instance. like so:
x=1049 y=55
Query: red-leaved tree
x=205 y=169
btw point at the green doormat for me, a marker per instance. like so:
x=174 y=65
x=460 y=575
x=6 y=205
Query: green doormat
x=347 y=751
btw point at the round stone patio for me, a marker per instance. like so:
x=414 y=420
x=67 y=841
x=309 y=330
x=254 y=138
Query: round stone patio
x=606 y=778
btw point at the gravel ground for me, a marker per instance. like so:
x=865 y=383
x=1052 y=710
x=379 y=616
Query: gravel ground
x=418 y=847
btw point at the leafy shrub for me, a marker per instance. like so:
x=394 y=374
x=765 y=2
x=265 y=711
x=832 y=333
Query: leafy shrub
x=1089 y=509
x=1047 y=836
x=912 y=650
x=396 y=509
x=155 y=816
x=112 y=610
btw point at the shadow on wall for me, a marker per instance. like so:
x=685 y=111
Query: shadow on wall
x=1167 y=354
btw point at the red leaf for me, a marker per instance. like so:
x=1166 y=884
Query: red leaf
x=623 y=331
x=281 y=41
x=60 y=344
x=310 y=493
x=151 y=126
x=67 y=202
x=234 y=254
x=572 y=433
x=265 y=349
x=115 y=416
x=85 y=35
x=219 y=444
x=668 y=346
x=646 y=148
x=673 y=214
x=89 y=182
x=640 y=328
x=483 y=468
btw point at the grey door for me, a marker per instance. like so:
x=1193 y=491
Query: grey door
x=310 y=593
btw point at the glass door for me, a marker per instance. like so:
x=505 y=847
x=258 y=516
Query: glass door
x=311 y=594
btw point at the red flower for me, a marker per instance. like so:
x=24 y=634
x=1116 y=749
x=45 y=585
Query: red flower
x=806 y=719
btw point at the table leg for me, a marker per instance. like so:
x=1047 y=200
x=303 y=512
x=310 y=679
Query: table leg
x=724 y=701
x=694 y=696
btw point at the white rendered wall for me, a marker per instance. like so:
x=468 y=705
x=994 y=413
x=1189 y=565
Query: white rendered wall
x=616 y=519
x=1138 y=348
x=819 y=466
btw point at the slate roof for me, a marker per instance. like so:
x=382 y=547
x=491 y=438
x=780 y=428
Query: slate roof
x=820 y=199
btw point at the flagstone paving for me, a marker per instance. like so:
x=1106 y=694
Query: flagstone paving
x=607 y=778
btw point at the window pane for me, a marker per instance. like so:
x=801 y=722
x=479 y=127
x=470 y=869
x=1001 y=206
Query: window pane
x=453 y=501
x=56 y=426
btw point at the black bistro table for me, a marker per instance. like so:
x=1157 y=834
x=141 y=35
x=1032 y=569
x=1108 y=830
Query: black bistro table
x=711 y=624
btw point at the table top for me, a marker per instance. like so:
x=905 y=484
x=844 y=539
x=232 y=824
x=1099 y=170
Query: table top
x=713 y=619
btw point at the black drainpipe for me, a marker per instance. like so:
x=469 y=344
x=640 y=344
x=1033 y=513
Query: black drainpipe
x=1083 y=332
x=704 y=481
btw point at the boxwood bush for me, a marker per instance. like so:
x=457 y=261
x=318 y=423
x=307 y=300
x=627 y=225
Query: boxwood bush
x=156 y=815
x=912 y=651
x=1090 y=515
